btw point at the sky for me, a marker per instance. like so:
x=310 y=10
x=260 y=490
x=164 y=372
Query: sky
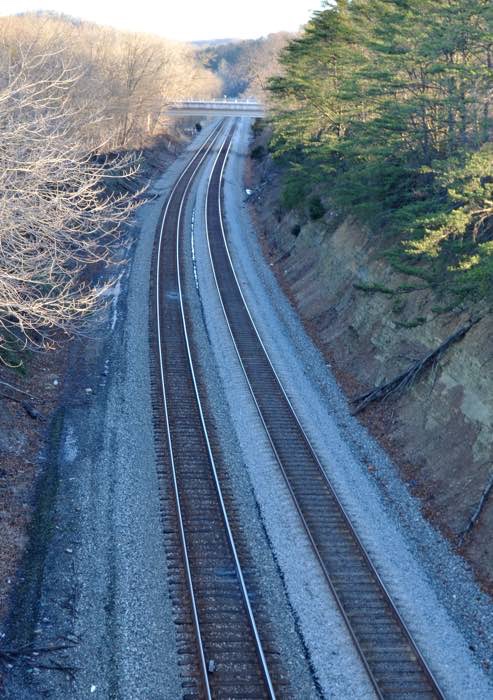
x=182 y=20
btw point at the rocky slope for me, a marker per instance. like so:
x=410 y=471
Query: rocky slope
x=372 y=323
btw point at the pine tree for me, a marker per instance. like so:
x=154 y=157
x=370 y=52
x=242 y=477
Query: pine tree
x=385 y=105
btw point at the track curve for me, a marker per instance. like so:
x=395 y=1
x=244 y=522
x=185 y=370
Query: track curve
x=392 y=660
x=219 y=643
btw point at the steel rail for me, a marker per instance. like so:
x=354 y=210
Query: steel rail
x=270 y=693
x=246 y=599
x=434 y=687
x=200 y=157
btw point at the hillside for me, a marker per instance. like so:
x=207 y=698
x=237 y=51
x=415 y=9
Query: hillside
x=244 y=67
x=374 y=189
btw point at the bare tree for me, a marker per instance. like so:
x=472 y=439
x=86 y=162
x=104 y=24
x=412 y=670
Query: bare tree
x=71 y=92
x=57 y=213
x=129 y=77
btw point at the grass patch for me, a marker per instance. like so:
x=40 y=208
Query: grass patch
x=373 y=288
x=419 y=321
x=399 y=305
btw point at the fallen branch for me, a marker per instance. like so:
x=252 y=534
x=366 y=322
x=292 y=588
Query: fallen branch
x=11 y=398
x=20 y=391
x=29 y=409
x=475 y=516
x=32 y=656
x=29 y=652
x=407 y=378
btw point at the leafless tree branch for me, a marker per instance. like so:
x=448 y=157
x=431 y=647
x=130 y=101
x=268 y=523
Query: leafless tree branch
x=407 y=378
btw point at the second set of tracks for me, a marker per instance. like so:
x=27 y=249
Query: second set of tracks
x=224 y=650
x=221 y=651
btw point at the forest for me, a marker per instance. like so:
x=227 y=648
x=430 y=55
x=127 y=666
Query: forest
x=77 y=104
x=380 y=109
x=383 y=110
x=244 y=67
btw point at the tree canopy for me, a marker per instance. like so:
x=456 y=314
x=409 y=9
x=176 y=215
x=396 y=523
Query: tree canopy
x=245 y=66
x=385 y=107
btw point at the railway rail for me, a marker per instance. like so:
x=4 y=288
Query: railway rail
x=392 y=660
x=219 y=644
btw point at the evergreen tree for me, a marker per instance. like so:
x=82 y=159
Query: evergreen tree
x=385 y=106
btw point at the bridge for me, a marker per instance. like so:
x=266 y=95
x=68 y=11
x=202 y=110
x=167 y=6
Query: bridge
x=219 y=108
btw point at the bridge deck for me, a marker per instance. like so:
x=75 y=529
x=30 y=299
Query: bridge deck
x=226 y=108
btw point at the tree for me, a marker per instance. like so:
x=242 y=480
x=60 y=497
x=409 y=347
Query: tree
x=57 y=213
x=385 y=104
x=128 y=78
x=245 y=66
x=76 y=103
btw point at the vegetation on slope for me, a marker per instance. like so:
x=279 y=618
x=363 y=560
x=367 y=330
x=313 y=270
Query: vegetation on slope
x=384 y=107
x=123 y=80
x=76 y=100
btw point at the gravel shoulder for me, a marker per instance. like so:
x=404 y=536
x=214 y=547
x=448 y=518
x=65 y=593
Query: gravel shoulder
x=449 y=615
x=99 y=585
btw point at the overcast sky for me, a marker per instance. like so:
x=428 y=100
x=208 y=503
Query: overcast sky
x=183 y=20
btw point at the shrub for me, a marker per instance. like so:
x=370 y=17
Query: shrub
x=257 y=153
x=293 y=193
x=315 y=208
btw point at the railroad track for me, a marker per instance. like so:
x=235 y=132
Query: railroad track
x=392 y=660
x=219 y=645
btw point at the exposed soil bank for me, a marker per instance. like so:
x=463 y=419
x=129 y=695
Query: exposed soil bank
x=25 y=422
x=31 y=392
x=441 y=431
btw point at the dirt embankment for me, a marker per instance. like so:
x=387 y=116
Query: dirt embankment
x=440 y=430
x=29 y=403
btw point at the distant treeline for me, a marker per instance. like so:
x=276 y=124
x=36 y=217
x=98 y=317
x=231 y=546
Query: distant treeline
x=385 y=108
x=122 y=80
x=244 y=67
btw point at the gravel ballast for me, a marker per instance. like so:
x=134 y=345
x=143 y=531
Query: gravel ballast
x=101 y=585
x=452 y=620
x=309 y=634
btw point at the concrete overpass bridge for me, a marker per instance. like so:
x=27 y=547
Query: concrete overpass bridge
x=219 y=108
